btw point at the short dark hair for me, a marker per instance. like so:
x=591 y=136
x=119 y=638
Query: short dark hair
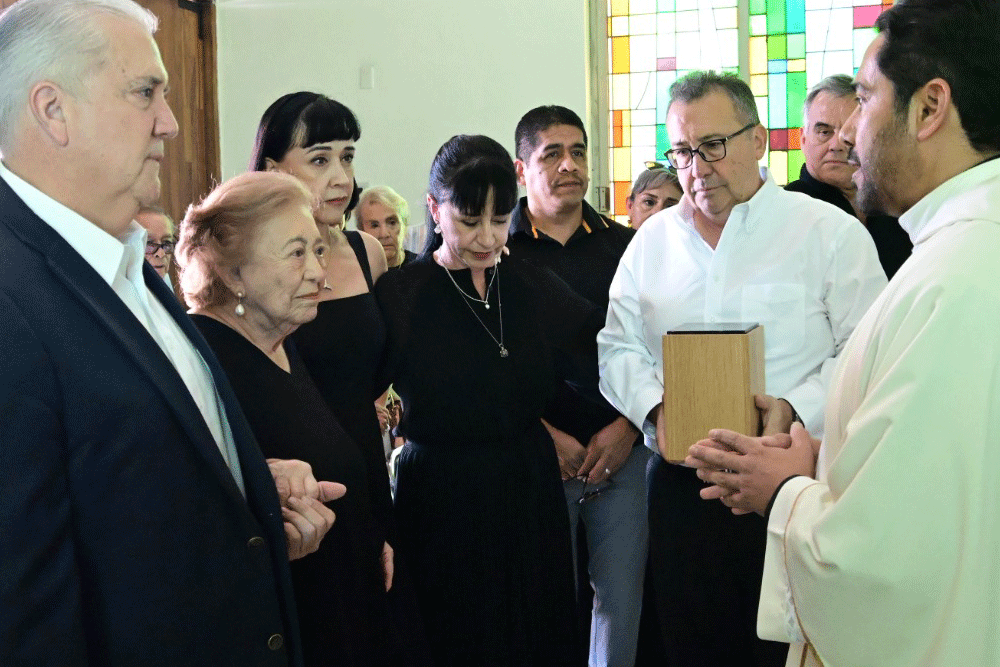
x=301 y=120
x=538 y=120
x=698 y=84
x=955 y=40
x=462 y=174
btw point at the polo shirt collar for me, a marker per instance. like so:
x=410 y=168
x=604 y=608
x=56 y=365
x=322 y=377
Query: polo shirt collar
x=521 y=223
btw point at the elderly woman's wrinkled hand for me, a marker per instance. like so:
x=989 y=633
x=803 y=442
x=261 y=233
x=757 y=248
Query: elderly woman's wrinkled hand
x=294 y=479
x=307 y=521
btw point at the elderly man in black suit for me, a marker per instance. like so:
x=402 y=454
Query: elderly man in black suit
x=140 y=522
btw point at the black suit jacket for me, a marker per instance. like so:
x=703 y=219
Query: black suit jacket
x=891 y=241
x=124 y=539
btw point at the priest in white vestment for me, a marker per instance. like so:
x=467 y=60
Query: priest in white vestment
x=888 y=553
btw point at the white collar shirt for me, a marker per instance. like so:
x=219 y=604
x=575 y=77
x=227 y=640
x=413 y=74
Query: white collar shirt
x=800 y=267
x=119 y=262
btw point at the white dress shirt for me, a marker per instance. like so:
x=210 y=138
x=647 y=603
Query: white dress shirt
x=119 y=262
x=891 y=557
x=800 y=267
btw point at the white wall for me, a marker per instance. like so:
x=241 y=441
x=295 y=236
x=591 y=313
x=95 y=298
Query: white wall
x=442 y=67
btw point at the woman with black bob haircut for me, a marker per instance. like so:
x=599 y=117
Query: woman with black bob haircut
x=312 y=138
x=473 y=353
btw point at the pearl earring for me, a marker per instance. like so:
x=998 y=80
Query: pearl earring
x=240 y=310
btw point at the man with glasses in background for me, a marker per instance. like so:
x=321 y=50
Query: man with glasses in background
x=160 y=238
x=738 y=248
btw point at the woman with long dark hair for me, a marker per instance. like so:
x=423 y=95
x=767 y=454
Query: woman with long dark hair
x=313 y=138
x=473 y=352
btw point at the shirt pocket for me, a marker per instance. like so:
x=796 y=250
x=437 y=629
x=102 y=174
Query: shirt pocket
x=781 y=309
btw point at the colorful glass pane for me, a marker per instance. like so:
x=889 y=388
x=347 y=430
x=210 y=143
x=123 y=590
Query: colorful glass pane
x=790 y=46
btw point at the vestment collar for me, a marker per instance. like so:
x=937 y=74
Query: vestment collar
x=962 y=197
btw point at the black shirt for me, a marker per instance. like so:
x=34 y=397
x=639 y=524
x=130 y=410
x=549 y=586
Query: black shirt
x=893 y=244
x=587 y=263
x=407 y=258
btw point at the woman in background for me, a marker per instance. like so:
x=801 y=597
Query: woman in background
x=253 y=272
x=312 y=138
x=655 y=189
x=472 y=353
x=384 y=214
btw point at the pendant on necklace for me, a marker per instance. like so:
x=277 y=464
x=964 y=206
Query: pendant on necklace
x=487 y=306
x=503 y=352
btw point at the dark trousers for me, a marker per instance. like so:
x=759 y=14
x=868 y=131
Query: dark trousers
x=706 y=566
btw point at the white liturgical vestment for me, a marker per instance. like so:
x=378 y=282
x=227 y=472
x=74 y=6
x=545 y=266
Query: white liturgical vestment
x=892 y=557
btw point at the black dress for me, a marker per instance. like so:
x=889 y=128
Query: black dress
x=408 y=257
x=340 y=589
x=479 y=500
x=343 y=348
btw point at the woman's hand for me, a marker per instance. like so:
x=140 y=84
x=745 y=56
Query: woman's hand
x=307 y=520
x=388 y=566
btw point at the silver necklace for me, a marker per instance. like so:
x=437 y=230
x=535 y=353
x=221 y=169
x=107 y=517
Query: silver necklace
x=496 y=270
x=472 y=298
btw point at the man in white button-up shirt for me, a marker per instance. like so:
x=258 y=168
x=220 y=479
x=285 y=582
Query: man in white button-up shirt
x=737 y=249
x=140 y=524
x=887 y=553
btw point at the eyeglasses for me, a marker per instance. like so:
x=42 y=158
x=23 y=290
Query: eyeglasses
x=595 y=490
x=166 y=246
x=653 y=164
x=712 y=150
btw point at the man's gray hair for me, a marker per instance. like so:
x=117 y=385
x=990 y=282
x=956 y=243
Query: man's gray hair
x=838 y=85
x=698 y=84
x=57 y=40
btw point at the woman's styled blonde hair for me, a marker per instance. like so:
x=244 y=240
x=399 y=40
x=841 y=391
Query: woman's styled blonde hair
x=217 y=234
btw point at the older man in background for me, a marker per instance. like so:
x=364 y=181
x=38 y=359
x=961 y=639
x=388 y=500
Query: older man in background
x=829 y=166
x=736 y=249
x=140 y=523
x=161 y=236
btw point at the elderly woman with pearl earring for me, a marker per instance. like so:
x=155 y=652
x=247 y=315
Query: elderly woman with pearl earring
x=252 y=263
x=475 y=351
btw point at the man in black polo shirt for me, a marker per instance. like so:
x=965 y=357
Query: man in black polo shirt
x=603 y=469
x=826 y=175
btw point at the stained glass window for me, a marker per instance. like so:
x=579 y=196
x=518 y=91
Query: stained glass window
x=786 y=46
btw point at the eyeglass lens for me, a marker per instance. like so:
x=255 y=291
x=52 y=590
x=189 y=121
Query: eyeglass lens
x=166 y=246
